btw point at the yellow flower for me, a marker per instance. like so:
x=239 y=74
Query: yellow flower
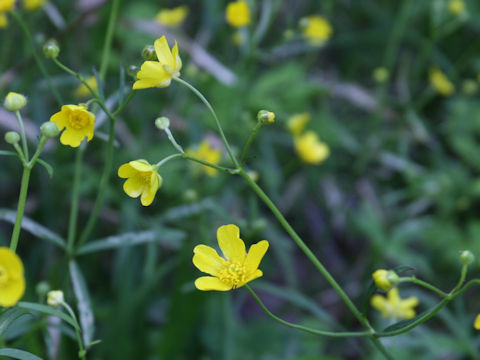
x=296 y=123
x=3 y=21
x=78 y=123
x=236 y=268
x=82 y=91
x=207 y=153
x=310 y=149
x=393 y=306
x=6 y=5
x=456 y=7
x=385 y=279
x=238 y=13
x=33 y=4
x=440 y=82
x=142 y=179
x=159 y=73
x=476 y=323
x=12 y=282
x=172 y=17
x=316 y=29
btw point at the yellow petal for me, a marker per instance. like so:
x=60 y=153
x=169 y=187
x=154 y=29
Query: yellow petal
x=60 y=119
x=207 y=260
x=148 y=195
x=476 y=323
x=177 y=62
x=133 y=187
x=255 y=255
x=126 y=171
x=11 y=262
x=164 y=54
x=206 y=283
x=72 y=137
x=258 y=273
x=141 y=165
x=12 y=292
x=232 y=246
x=409 y=302
x=378 y=302
x=151 y=74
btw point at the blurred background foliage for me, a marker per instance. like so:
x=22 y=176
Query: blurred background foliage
x=400 y=186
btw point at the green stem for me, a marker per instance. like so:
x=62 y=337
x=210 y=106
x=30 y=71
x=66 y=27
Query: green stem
x=41 y=144
x=72 y=223
x=426 y=285
x=127 y=101
x=168 y=158
x=108 y=38
x=82 y=354
x=304 y=328
x=206 y=163
x=22 y=133
x=173 y=141
x=21 y=208
x=20 y=153
x=463 y=274
x=249 y=142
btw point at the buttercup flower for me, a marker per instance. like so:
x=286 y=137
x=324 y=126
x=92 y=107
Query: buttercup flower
x=440 y=82
x=207 y=153
x=393 y=306
x=82 y=91
x=238 y=13
x=172 y=17
x=236 y=268
x=6 y=5
x=55 y=298
x=310 y=149
x=3 y=21
x=476 y=323
x=142 y=179
x=385 y=279
x=296 y=123
x=78 y=123
x=316 y=29
x=32 y=5
x=12 y=282
x=159 y=73
x=456 y=7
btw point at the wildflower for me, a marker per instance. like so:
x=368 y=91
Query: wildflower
x=82 y=90
x=55 y=298
x=159 y=73
x=14 y=101
x=310 y=149
x=393 y=306
x=236 y=268
x=466 y=257
x=266 y=117
x=238 y=13
x=7 y=5
x=12 y=282
x=51 y=49
x=3 y=21
x=476 y=323
x=32 y=5
x=142 y=179
x=296 y=123
x=207 y=153
x=172 y=17
x=440 y=82
x=385 y=279
x=78 y=123
x=456 y=7
x=316 y=29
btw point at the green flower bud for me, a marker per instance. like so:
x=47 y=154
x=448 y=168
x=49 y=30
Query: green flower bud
x=51 y=49
x=385 y=279
x=49 y=129
x=14 y=101
x=148 y=53
x=381 y=75
x=266 y=117
x=466 y=257
x=12 y=137
x=42 y=288
x=162 y=123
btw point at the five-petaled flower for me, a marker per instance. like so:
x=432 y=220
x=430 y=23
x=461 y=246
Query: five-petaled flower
x=142 y=179
x=207 y=153
x=236 y=268
x=12 y=282
x=393 y=306
x=78 y=123
x=160 y=73
x=310 y=149
x=172 y=17
x=316 y=29
x=238 y=13
x=7 y=5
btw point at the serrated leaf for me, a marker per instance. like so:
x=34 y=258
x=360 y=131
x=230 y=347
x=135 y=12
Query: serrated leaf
x=48 y=310
x=87 y=320
x=9 y=316
x=18 y=354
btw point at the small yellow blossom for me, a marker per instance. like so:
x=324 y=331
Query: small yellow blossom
x=296 y=123
x=55 y=298
x=3 y=20
x=238 y=13
x=78 y=123
x=440 y=82
x=159 y=73
x=393 y=306
x=142 y=179
x=456 y=7
x=32 y=5
x=82 y=90
x=207 y=153
x=172 y=17
x=476 y=323
x=385 y=279
x=310 y=149
x=316 y=29
x=7 y=5
x=12 y=282
x=236 y=268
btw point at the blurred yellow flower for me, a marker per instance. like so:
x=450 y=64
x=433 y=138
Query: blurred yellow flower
x=207 y=153
x=393 y=306
x=440 y=82
x=385 y=279
x=476 y=323
x=6 y=5
x=456 y=7
x=3 y=21
x=236 y=268
x=238 y=13
x=82 y=91
x=296 y=123
x=159 y=73
x=310 y=149
x=142 y=179
x=316 y=29
x=78 y=123
x=172 y=17
x=12 y=282
x=32 y=5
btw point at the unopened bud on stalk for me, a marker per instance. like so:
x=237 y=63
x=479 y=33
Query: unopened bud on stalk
x=55 y=298
x=266 y=117
x=162 y=123
x=385 y=279
x=42 y=288
x=14 y=101
x=51 y=49
x=466 y=257
x=49 y=129
x=12 y=137
x=148 y=53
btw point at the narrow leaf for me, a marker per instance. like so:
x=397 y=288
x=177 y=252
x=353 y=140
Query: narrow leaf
x=83 y=302
x=48 y=310
x=18 y=354
x=9 y=316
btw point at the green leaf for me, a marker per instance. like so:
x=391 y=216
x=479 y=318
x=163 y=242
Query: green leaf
x=48 y=310
x=9 y=316
x=47 y=166
x=366 y=301
x=18 y=354
x=405 y=323
x=84 y=305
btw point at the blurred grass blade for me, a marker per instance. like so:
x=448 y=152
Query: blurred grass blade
x=183 y=211
x=8 y=153
x=366 y=301
x=9 y=316
x=47 y=166
x=83 y=302
x=48 y=310
x=33 y=227
x=18 y=354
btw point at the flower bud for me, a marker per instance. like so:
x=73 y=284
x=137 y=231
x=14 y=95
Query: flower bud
x=14 y=101
x=148 y=53
x=266 y=117
x=190 y=195
x=162 y=123
x=51 y=49
x=42 y=288
x=466 y=257
x=385 y=279
x=49 y=129
x=12 y=137
x=55 y=298
x=380 y=75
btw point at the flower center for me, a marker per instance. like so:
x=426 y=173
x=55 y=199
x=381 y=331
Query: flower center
x=3 y=276
x=145 y=178
x=78 y=119
x=233 y=274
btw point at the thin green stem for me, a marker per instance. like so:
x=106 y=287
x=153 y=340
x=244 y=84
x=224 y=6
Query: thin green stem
x=108 y=38
x=426 y=285
x=82 y=354
x=206 y=163
x=72 y=223
x=463 y=274
x=168 y=158
x=22 y=134
x=304 y=328
x=173 y=141
x=126 y=102
x=20 y=153
x=20 y=208
x=249 y=142
x=41 y=143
